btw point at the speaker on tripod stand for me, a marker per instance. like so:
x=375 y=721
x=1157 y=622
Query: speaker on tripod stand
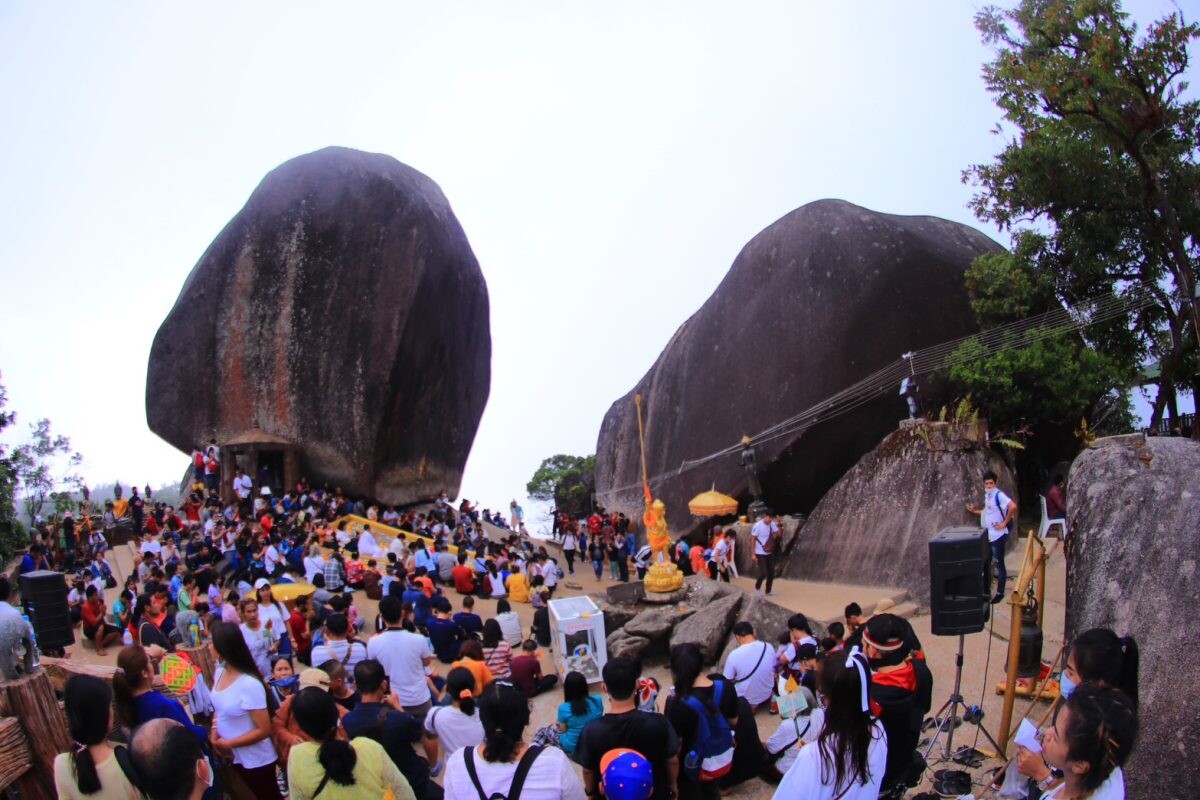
x=960 y=589
x=44 y=596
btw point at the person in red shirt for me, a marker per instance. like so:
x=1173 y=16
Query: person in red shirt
x=94 y=627
x=299 y=627
x=527 y=670
x=464 y=576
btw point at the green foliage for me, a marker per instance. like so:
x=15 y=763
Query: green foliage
x=568 y=471
x=12 y=533
x=1099 y=187
x=41 y=471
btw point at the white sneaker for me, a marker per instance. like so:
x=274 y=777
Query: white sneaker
x=758 y=593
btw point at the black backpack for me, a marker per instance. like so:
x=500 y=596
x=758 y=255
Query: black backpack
x=518 y=781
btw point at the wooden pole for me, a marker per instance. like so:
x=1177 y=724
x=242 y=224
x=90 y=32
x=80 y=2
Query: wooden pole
x=637 y=401
x=31 y=700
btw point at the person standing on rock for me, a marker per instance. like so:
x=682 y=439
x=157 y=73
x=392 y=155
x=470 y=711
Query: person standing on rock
x=766 y=542
x=999 y=512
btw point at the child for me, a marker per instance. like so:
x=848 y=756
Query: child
x=537 y=589
x=596 y=553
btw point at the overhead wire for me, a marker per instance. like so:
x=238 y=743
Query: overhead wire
x=936 y=357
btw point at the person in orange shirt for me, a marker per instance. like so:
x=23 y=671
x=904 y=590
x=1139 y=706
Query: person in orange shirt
x=518 y=588
x=699 y=567
x=471 y=657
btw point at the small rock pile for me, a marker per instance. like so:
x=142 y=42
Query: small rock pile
x=702 y=613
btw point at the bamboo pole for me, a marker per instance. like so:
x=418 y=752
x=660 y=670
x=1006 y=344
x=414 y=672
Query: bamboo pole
x=637 y=401
x=1016 y=602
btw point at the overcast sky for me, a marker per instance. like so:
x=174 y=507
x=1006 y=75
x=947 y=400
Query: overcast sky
x=607 y=161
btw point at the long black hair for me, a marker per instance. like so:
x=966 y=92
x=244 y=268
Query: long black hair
x=575 y=692
x=88 y=702
x=231 y=647
x=848 y=729
x=504 y=712
x=686 y=666
x=460 y=685
x=1102 y=656
x=316 y=713
x=492 y=633
x=1101 y=729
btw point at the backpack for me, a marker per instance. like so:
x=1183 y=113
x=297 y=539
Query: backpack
x=1012 y=525
x=518 y=781
x=712 y=756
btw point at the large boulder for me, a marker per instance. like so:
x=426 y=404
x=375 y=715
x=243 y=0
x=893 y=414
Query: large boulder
x=1132 y=556
x=656 y=623
x=709 y=629
x=823 y=298
x=341 y=310
x=873 y=527
x=615 y=614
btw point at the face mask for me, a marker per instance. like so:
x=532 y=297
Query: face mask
x=989 y=493
x=1065 y=686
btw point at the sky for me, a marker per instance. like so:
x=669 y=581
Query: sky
x=607 y=162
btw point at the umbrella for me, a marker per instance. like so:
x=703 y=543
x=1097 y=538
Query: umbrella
x=712 y=504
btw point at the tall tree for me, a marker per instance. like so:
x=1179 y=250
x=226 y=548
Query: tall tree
x=1100 y=188
x=45 y=466
x=12 y=533
x=563 y=478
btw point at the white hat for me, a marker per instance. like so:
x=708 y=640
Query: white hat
x=260 y=583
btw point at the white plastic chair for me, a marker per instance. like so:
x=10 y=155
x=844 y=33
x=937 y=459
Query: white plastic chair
x=1048 y=522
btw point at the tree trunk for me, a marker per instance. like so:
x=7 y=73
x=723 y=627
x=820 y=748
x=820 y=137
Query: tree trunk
x=1156 y=413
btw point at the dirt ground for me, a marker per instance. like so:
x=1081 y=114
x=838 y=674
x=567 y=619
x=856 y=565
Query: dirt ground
x=984 y=652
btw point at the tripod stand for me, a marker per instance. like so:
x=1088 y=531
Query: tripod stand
x=947 y=715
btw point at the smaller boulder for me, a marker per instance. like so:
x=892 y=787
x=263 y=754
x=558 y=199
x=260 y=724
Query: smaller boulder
x=615 y=614
x=621 y=644
x=656 y=623
x=709 y=629
x=700 y=590
x=625 y=592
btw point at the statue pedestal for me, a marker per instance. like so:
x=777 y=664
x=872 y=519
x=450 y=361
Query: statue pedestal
x=663 y=577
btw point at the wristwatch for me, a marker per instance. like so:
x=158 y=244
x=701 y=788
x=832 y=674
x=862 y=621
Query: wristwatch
x=1045 y=783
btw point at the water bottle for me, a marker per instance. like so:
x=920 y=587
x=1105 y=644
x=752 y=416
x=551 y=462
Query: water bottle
x=194 y=632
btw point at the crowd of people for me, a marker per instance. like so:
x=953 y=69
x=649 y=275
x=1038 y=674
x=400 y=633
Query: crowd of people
x=311 y=699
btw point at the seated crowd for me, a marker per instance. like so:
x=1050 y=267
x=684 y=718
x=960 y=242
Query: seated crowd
x=307 y=702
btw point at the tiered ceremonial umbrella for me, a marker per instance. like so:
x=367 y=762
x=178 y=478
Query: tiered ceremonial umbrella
x=712 y=504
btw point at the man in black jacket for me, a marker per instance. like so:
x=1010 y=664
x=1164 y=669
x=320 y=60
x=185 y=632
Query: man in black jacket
x=902 y=686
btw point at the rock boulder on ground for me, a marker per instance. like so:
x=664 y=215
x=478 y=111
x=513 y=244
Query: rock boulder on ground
x=1132 y=556
x=656 y=623
x=874 y=526
x=343 y=311
x=622 y=644
x=615 y=614
x=824 y=297
x=709 y=629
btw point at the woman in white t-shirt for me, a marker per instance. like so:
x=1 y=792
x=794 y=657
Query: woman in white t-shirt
x=510 y=623
x=241 y=723
x=274 y=616
x=504 y=712
x=258 y=638
x=457 y=725
x=848 y=759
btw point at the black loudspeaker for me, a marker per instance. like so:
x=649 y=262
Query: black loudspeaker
x=44 y=596
x=960 y=581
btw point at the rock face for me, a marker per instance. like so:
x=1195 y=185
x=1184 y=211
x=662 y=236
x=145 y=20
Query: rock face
x=874 y=526
x=821 y=299
x=1133 y=552
x=343 y=310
